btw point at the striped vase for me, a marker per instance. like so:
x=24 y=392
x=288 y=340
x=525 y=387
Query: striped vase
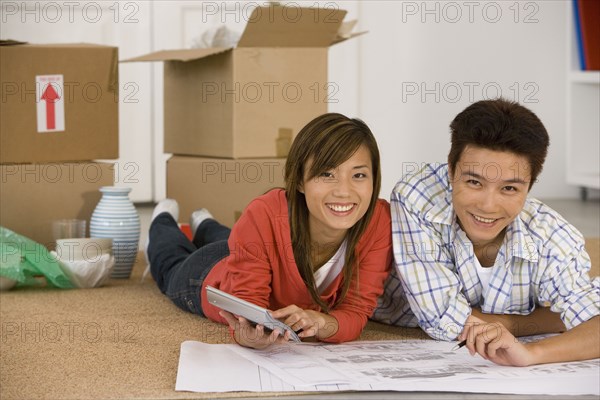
x=115 y=217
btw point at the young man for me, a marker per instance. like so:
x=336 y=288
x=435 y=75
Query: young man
x=476 y=259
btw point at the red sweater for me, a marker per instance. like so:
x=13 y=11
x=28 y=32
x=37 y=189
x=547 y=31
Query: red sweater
x=261 y=267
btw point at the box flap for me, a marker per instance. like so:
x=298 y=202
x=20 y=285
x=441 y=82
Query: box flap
x=339 y=39
x=7 y=43
x=279 y=26
x=10 y=42
x=179 y=55
x=345 y=32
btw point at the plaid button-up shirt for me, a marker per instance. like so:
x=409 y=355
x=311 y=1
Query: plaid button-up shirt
x=435 y=283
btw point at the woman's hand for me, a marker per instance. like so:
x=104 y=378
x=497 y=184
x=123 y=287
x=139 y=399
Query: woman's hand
x=494 y=342
x=307 y=323
x=250 y=335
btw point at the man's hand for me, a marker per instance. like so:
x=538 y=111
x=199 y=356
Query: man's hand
x=494 y=342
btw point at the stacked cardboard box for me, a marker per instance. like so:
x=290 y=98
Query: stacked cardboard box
x=223 y=186
x=59 y=111
x=231 y=113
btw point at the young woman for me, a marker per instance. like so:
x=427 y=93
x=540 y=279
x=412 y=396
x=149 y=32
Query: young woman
x=316 y=253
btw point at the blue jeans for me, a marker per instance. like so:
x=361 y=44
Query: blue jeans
x=179 y=266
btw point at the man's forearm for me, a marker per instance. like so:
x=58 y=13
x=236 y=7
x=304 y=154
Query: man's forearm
x=540 y=321
x=579 y=343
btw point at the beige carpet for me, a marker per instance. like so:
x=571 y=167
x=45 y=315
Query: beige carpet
x=120 y=341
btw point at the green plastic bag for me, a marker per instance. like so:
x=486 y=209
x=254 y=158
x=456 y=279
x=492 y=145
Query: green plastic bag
x=22 y=259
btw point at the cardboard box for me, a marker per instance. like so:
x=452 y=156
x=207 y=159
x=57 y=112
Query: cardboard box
x=223 y=186
x=250 y=101
x=34 y=195
x=59 y=102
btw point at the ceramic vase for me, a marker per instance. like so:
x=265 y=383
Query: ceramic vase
x=115 y=217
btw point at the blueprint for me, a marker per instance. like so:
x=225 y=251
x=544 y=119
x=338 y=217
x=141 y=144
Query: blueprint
x=409 y=365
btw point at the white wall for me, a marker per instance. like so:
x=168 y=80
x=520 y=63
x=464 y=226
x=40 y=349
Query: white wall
x=420 y=68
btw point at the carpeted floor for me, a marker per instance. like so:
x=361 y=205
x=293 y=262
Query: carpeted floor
x=120 y=341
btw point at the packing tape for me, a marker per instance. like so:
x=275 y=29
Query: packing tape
x=113 y=78
x=283 y=142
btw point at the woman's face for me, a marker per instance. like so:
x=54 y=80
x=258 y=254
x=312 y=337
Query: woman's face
x=339 y=198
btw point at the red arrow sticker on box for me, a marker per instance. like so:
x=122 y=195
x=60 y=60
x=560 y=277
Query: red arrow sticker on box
x=50 y=91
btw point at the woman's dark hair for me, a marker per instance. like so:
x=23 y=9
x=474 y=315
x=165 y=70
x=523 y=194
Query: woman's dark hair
x=327 y=141
x=500 y=125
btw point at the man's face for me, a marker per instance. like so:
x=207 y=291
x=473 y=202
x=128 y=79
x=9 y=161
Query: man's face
x=489 y=191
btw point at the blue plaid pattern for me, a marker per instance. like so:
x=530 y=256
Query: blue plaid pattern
x=435 y=283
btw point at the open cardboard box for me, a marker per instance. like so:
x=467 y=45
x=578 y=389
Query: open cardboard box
x=250 y=101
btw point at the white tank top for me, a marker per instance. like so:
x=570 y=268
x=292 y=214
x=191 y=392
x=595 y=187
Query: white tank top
x=331 y=269
x=484 y=275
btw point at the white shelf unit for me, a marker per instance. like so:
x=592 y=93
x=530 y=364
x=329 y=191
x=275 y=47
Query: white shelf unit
x=583 y=116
